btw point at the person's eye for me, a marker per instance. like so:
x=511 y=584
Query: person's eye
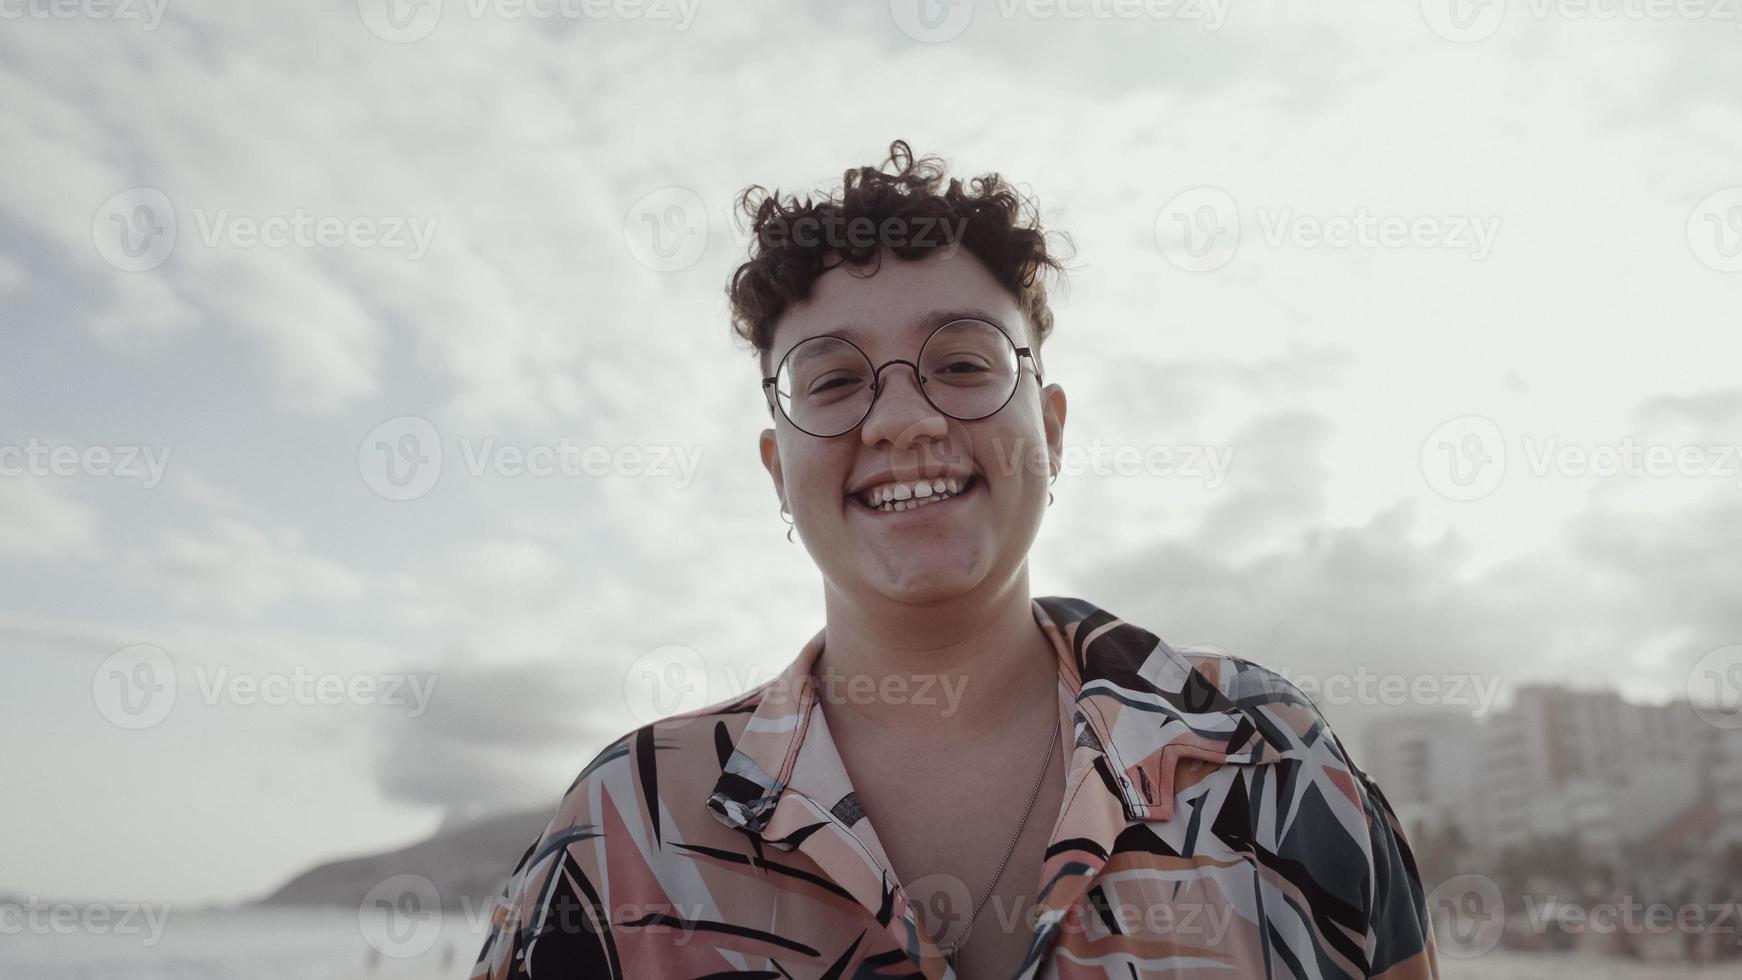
x=831 y=383
x=962 y=367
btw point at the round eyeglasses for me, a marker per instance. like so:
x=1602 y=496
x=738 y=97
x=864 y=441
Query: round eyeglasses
x=967 y=369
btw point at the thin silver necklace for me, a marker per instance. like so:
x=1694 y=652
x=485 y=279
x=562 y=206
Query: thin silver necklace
x=953 y=949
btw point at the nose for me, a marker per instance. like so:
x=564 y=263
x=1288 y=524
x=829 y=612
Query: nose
x=900 y=413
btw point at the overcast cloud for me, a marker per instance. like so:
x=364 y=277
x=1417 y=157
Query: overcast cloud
x=489 y=285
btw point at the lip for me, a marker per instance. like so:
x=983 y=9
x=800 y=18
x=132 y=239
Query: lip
x=943 y=507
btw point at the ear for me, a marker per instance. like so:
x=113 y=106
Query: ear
x=1052 y=411
x=770 y=450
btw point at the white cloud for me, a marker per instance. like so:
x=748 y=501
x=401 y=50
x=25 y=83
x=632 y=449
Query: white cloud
x=41 y=522
x=529 y=319
x=244 y=569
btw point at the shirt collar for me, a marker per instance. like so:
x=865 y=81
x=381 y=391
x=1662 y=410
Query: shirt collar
x=1106 y=665
x=1146 y=721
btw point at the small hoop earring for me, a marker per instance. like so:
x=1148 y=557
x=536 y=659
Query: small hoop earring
x=1055 y=479
x=786 y=516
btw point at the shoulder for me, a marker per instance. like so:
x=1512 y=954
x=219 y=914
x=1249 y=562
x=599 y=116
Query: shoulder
x=670 y=765
x=1339 y=819
x=1331 y=806
x=1283 y=713
x=611 y=829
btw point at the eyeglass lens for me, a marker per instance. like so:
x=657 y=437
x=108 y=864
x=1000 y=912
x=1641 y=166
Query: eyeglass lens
x=968 y=371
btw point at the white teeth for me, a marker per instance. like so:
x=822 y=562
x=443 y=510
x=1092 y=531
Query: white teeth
x=902 y=496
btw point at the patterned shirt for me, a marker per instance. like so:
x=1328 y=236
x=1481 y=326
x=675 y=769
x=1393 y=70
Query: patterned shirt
x=1212 y=825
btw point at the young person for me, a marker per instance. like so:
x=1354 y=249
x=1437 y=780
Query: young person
x=954 y=778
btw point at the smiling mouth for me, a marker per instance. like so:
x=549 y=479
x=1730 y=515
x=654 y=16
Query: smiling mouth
x=911 y=504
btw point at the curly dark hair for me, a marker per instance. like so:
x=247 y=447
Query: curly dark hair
x=902 y=211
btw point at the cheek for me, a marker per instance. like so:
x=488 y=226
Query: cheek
x=816 y=480
x=1014 y=455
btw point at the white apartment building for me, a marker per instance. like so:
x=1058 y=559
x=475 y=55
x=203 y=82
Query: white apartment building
x=1556 y=762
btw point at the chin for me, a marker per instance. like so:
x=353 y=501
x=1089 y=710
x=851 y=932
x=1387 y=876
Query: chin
x=927 y=580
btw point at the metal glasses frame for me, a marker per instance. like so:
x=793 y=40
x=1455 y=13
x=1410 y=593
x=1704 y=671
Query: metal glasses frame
x=770 y=389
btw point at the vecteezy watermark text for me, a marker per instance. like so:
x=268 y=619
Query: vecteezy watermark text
x=1201 y=229
x=403 y=458
x=40 y=918
x=403 y=916
x=837 y=231
x=1469 y=915
x=1465 y=458
x=36 y=458
x=410 y=234
x=149 y=13
x=137 y=230
x=405 y=21
x=937 y=21
x=1095 y=458
x=674 y=679
x=1373 y=689
x=137 y=686
x=942 y=902
x=1469 y=21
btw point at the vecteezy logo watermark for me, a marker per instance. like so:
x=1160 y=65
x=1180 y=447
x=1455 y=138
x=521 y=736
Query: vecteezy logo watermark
x=40 y=918
x=1209 y=14
x=39 y=459
x=1632 y=459
x=837 y=231
x=149 y=13
x=405 y=21
x=1369 y=689
x=410 y=234
x=1464 y=21
x=674 y=680
x=1452 y=232
x=1715 y=687
x=666 y=680
x=1715 y=230
x=136 y=687
x=932 y=21
x=400 y=21
x=936 y=21
x=568 y=914
x=1469 y=915
x=942 y=905
x=940 y=901
x=401 y=459
x=134 y=231
x=1191 y=462
x=305 y=688
x=1467 y=21
x=1201 y=229
x=401 y=917
x=1464 y=458
x=667 y=229
x=1625 y=914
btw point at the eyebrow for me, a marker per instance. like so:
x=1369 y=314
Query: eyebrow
x=925 y=324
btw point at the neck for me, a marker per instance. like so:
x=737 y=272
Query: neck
x=966 y=667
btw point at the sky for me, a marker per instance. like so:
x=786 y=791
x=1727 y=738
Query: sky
x=297 y=301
